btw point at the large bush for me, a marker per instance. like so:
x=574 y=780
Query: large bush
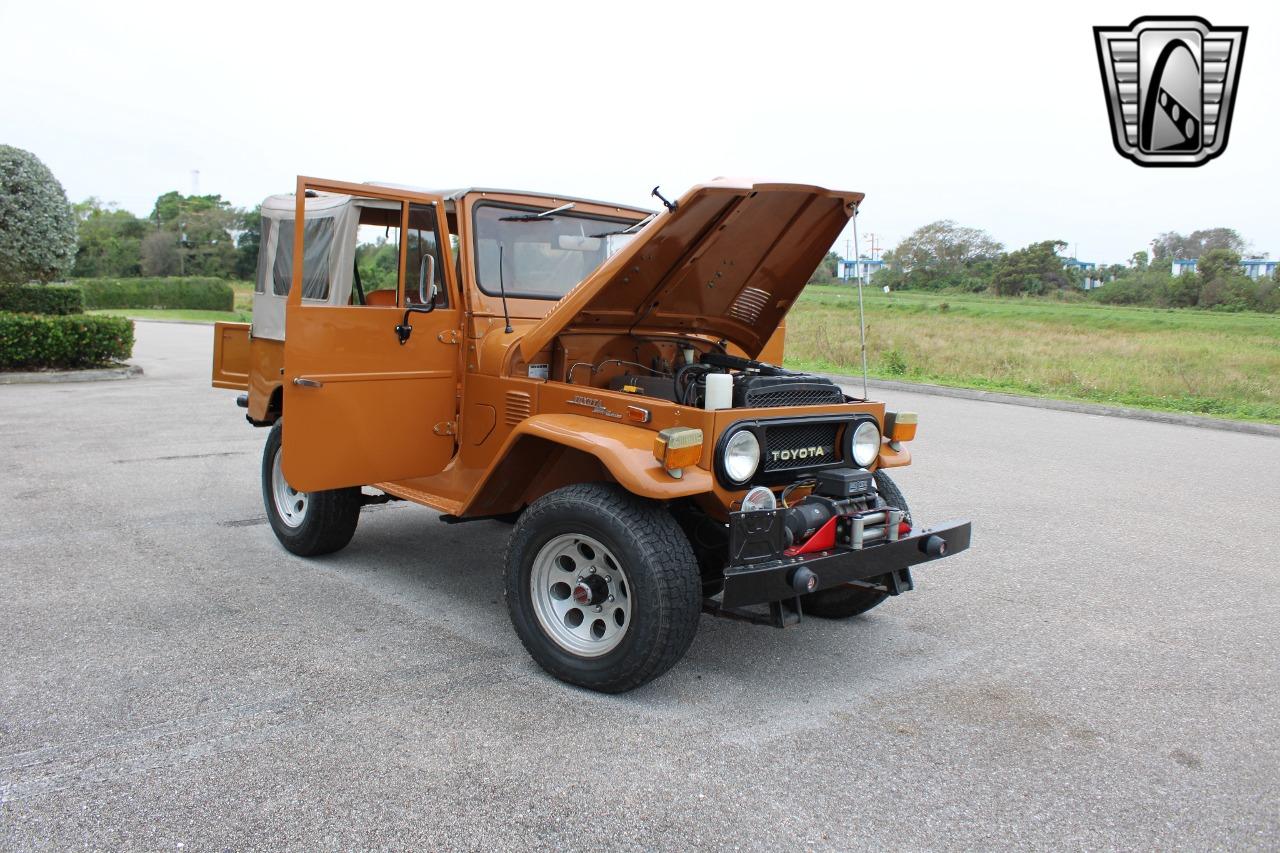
x=1219 y=286
x=41 y=298
x=34 y=341
x=210 y=294
x=37 y=227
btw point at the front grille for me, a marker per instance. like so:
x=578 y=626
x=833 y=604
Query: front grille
x=788 y=447
x=806 y=395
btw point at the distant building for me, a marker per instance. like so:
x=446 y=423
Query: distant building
x=863 y=268
x=1091 y=280
x=1255 y=268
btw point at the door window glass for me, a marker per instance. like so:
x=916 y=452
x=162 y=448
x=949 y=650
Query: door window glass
x=377 y=256
x=423 y=242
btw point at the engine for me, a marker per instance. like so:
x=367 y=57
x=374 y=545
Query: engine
x=751 y=384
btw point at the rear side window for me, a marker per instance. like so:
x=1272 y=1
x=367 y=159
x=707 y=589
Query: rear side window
x=264 y=240
x=318 y=239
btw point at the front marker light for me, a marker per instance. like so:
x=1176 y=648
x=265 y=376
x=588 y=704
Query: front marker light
x=677 y=448
x=741 y=456
x=866 y=443
x=900 y=426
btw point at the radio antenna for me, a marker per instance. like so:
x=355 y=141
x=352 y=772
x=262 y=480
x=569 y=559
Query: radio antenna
x=862 y=317
x=506 y=315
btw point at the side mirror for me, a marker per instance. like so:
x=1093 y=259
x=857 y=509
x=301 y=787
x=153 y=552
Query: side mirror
x=426 y=297
x=427 y=273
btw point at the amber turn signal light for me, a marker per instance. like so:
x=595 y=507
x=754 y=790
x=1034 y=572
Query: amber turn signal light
x=900 y=426
x=678 y=448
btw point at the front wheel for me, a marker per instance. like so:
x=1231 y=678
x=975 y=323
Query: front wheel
x=306 y=523
x=603 y=588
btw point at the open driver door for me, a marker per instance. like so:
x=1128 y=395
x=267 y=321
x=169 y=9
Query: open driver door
x=371 y=354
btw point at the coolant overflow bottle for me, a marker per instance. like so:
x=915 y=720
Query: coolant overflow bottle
x=719 y=391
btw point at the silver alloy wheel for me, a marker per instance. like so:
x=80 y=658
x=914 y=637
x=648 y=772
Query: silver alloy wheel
x=291 y=504
x=581 y=595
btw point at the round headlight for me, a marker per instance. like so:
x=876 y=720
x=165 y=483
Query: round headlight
x=741 y=456
x=866 y=443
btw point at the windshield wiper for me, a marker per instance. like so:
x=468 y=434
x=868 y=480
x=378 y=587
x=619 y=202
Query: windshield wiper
x=536 y=217
x=629 y=228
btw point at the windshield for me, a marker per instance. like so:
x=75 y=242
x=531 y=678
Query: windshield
x=541 y=257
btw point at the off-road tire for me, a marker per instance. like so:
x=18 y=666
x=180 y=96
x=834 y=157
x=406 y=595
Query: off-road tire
x=331 y=516
x=662 y=574
x=842 y=602
x=891 y=494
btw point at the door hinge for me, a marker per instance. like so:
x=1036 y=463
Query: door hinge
x=448 y=336
x=446 y=428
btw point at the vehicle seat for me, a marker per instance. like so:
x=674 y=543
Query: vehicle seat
x=380 y=297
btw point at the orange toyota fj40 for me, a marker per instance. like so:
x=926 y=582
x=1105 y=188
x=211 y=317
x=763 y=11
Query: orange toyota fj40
x=599 y=375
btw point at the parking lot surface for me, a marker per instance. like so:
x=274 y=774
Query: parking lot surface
x=1101 y=669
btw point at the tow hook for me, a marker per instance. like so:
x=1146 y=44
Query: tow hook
x=803 y=580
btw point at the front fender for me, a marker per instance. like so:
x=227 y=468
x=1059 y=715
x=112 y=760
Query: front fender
x=623 y=450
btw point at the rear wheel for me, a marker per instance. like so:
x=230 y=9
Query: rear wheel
x=306 y=523
x=842 y=602
x=602 y=587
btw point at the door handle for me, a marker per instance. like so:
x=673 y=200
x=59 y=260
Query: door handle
x=307 y=383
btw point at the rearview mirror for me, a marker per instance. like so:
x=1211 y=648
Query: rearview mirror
x=574 y=243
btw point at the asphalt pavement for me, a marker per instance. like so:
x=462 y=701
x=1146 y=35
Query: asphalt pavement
x=1100 y=670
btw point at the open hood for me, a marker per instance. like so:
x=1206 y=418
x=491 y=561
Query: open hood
x=728 y=261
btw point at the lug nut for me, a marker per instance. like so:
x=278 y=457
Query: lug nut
x=593 y=570
x=599 y=608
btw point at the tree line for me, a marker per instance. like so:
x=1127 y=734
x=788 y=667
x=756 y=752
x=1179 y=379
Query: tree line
x=193 y=235
x=946 y=256
x=204 y=235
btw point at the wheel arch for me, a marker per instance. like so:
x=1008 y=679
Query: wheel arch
x=266 y=405
x=546 y=452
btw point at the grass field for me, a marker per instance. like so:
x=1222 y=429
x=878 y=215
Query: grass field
x=188 y=314
x=1201 y=362
x=1225 y=365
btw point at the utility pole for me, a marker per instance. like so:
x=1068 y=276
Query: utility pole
x=875 y=245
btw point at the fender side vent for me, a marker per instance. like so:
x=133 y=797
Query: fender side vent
x=519 y=407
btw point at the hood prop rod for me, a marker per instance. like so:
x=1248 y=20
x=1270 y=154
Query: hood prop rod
x=862 y=317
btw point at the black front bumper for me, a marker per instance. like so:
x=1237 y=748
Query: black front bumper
x=767 y=580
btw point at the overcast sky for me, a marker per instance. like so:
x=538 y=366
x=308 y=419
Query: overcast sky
x=992 y=116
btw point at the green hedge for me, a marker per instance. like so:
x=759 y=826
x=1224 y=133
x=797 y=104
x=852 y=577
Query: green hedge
x=33 y=341
x=42 y=298
x=208 y=294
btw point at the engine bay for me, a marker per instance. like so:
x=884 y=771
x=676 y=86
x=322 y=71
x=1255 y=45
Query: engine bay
x=706 y=377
